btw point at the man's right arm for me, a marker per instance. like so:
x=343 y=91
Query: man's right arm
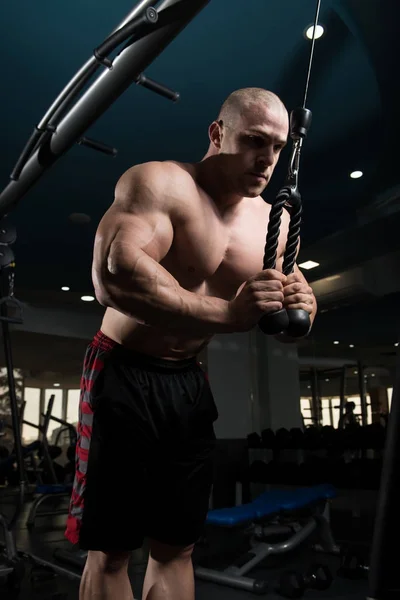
x=133 y=237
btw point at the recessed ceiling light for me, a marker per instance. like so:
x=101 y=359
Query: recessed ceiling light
x=355 y=372
x=309 y=387
x=372 y=374
x=351 y=345
x=56 y=384
x=327 y=380
x=65 y=288
x=309 y=264
x=336 y=343
x=87 y=298
x=356 y=174
x=319 y=32
x=396 y=344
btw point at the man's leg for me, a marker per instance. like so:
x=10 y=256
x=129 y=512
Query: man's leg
x=169 y=574
x=105 y=577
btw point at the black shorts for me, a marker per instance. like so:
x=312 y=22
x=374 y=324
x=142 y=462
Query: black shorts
x=144 y=459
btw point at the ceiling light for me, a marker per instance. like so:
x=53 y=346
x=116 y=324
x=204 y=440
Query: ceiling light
x=355 y=372
x=327 y=380
x=65 y=288
x=309 y=264
x=319 y=32
x=356 y=174
x=87 y=298
x=351 y=345
x=372 y=374
x=309 y=387
x=56 y=384
x=336 y=343
x=396 y=344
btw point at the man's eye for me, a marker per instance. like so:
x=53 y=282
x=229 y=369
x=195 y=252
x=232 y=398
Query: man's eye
x=255 y=140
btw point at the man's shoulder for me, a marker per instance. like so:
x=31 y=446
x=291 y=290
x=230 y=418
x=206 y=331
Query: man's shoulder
x=156 y=183
x=166 y=173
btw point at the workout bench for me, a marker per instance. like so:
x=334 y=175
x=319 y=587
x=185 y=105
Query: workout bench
x=293 y=513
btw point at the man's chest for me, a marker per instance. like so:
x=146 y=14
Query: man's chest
x=218 y=255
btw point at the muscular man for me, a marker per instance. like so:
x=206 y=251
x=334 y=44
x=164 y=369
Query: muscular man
x=178 y=258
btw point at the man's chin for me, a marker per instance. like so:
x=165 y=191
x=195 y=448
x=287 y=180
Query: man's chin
x=255 y=190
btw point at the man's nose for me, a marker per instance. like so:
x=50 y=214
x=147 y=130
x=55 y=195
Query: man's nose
x=266 y=159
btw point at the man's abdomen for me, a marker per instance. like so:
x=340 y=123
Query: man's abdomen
x=150 y=340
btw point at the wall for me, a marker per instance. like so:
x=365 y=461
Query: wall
x=278 y=383
x=68 y=323
x=234 y=389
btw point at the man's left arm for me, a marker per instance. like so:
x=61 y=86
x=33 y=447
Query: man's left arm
x=298 y=294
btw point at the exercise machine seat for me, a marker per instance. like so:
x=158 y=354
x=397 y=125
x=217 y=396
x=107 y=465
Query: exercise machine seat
x=269 y=504
x=53 y=488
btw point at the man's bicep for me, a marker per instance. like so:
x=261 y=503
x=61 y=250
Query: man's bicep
x=151 y=233
x=141 y=213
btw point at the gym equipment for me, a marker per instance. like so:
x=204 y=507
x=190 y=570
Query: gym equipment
x=268 y=515
x=146 y=31
x=293 y=584
x=268 y=438
x=11 y=569
x=13 y=562
x=354 y=563
x=53 y=490
x=254 y=440
x=294 y=323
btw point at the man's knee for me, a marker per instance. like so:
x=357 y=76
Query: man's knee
x=164 y=553
x=107 y=562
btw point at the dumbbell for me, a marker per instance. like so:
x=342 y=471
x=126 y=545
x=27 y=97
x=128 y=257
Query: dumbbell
x=353 y=563
x=293 y=584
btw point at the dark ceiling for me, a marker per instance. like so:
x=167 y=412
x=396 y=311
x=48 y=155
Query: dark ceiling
x=354 y=96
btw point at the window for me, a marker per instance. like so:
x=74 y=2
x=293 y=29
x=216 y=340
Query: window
x=31 y=413
x=73 y=406
x=390 y=396
x=326 y=411
x=306 y=411
x=335 y=403
x=330 y=410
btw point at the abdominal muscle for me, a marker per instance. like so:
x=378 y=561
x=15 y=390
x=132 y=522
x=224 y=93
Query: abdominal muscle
x=150 y=340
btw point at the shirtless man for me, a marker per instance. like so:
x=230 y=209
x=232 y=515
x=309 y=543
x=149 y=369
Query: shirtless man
x=178 y=257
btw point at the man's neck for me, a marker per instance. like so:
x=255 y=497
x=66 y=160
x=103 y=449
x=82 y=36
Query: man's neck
x=210 y=177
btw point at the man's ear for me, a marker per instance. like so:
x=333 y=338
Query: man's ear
x=215 y=133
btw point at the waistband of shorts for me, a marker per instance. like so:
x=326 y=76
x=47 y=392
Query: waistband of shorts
x=139 y=359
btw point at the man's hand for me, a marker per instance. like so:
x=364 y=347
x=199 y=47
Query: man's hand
x=258 y=296
x=298 y=294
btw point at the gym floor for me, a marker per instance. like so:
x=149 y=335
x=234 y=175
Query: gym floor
x=49 y=535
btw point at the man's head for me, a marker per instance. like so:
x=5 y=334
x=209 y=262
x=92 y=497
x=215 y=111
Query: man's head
x=349 y=407
x=249 y=134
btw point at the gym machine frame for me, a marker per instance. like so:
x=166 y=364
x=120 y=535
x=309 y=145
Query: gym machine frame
x=146 y=31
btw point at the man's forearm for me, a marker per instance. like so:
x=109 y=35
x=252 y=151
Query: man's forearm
x=154 y=297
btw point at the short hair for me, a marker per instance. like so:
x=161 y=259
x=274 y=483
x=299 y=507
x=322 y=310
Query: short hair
x=241 y=99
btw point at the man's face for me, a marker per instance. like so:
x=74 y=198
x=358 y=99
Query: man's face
x=253 y=144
